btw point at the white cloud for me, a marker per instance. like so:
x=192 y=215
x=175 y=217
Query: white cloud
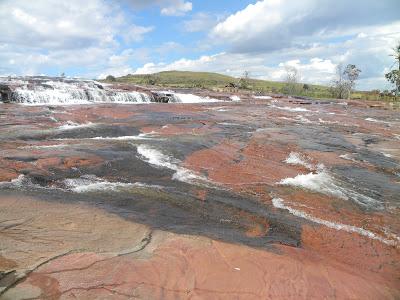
x=57 y=24
x=135 y=33
x=201 y=22
x=316 y=63
x=167 y=7
x=275 y=24
x=176 y=8
x=316 y=70
x=56 y=35
x=97 y=39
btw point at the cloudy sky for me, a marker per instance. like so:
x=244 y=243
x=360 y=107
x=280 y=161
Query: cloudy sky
x=94 y=38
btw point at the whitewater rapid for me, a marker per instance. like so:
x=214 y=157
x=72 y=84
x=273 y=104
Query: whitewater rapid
x=66 y=91
x=321 y=180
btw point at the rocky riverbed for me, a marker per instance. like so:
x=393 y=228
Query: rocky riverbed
x=258 y=198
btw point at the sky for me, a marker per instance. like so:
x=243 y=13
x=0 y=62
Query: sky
x=96 y=38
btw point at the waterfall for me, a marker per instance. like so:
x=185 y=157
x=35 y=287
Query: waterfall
x=66 y=91
x=50 y=91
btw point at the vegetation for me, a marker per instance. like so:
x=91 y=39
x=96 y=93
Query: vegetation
x=394 y=75
x=292 y=81
x=219 y=82
x=345 y=81
x=244 y=82
x=111 y=78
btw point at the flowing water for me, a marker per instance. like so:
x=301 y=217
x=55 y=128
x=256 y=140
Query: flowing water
x=246 y=172
x=67 y=91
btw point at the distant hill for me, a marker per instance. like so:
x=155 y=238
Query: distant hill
x=186 y=79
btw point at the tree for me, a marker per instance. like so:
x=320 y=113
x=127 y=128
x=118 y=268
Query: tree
x=111 y=78
x=394 y=75
x=150 y=79
x=244 y=80
x=351 y=74
x=345 y=80
x=291 y=80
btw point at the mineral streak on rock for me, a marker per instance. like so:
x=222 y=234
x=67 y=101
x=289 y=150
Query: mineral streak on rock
x=261 y=198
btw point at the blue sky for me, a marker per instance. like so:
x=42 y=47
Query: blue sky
x=227 y=36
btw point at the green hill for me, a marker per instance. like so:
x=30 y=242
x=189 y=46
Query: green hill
x=214 y=81
x=180 y=79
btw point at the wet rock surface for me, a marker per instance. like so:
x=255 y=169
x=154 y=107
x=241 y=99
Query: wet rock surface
x=262 y=198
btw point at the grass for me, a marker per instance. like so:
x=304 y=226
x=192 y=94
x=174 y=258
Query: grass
x=219 y=82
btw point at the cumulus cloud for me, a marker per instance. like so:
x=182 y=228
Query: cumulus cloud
x=135 y=33
x=176 y=8
x=57 y=35
x=369 y=50
x=56 y=24
x=201 y=22
x=168 y=7
x=102 y=37
x=275 y=24
x=234 y=64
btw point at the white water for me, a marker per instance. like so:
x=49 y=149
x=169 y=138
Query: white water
x=279 y=203
x=46 y=146
x=158 y=159
x=83 y=184
x=229 y=124
x=262 y=97
x=347 y=156
x=376 y=121
x=295 y=158
x=23 y=182
x=321 y=181
x=303 y=119
x=291 y=109
x=190 y=98
x=69 y=125
x=141 y=136
x=63 y=92
x=185 y=98
x=91 y=183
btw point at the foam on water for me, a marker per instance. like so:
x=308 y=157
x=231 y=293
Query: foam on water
x=70 y=125
x=141 y=136
x=235 y=98
x=190 y=98
x=347 y=156
x=23 y=182
x=327 y=122
x=376 y=121
x=291 y=109
x=262 y=97
x=303 y=119
x=83 y=184
x=91 y=183
x=45 y=146
x=295 y=158
x=387 y=155
x=76 y=96
x=45 y=91
x=229 y=124
x=218 y=108
x=279 y=203
x=158 y=159
x=323 y=182
x=185 y=98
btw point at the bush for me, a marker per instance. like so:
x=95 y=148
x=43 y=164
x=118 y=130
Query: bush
x=111 y=78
